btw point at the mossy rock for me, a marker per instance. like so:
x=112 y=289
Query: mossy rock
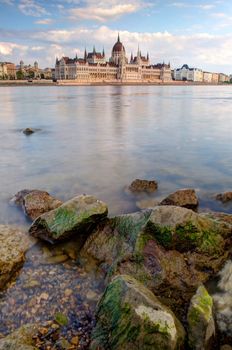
x=201 y=326
x=21 y=339
x=117 y=239
x=129 y=316
x=184 y=230
x=76 y=216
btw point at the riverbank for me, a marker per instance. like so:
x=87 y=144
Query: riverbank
x=105 y=83
x=115 y=283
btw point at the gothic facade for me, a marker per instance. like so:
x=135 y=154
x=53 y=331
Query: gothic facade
x=93 y=67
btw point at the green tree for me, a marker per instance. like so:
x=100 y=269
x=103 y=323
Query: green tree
x=20 y=75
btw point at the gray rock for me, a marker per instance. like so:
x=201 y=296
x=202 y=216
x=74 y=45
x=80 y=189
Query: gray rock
x=129 y=316
x=223 y=301
x=13 y=245
x=201 y=325
x=22 y=339
x=182 y=198
x=75 y=217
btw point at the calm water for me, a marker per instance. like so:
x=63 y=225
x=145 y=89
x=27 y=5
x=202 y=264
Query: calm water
x=96 y=140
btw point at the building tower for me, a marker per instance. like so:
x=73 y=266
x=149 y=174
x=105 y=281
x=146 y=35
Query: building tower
x=118 y=53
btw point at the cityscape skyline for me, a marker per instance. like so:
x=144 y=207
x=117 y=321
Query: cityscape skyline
x=193 y=32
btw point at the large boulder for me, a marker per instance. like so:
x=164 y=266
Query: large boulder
x=76 y=216
x=36 y=202
x=144 y=245
x=13 y=245
x=201 y=325
x=184 y=230
x=129 y=316
x=182 y=198
x=21 y=339
x=143 y=186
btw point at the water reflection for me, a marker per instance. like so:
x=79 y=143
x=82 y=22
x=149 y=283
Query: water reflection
x=98 y=139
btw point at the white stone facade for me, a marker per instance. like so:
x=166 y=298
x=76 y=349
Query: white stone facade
x=188 y=74
x=94 y=68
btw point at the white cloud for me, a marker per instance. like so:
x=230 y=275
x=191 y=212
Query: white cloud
x=37 y=48
x=44 y=21
x=31 y=8
x=8 y=48
x=187 y=5
x=105 y=10
x=203 y=50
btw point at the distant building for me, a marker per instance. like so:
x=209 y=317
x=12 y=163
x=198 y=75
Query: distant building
x=188 y=74
x=33 y=72
x=215 y=78
x=7 y=70
x=207 y=77
x=94 y=67
x=223 y=78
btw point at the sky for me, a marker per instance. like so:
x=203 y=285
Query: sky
x=195 y=32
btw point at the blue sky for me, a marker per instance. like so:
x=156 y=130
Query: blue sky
x=195 y=32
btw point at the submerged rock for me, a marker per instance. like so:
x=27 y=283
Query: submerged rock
x=76 y=216
x=36 y=202
x=182 y=198
x=22 y=339
x=147 y=203
x=129 y=316
x=143 y=186
x=28 y=131
x=224 y=197
x=13 y=245
x=201 y=325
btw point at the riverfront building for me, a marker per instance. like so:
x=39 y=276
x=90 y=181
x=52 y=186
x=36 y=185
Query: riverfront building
x=197 y=75
x=94 y=67
x=7 y=70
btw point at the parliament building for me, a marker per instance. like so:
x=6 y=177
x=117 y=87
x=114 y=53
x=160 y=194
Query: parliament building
x=94 y=68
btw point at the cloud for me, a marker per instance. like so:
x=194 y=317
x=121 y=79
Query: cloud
x=31 y=8
x=44 y=21
x=203 y=50
x=187 y=5
x=105 y=10
x=8 y=48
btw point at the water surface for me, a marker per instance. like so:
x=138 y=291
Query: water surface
x=96 y=140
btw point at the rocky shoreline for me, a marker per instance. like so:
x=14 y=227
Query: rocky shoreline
x=79 y=279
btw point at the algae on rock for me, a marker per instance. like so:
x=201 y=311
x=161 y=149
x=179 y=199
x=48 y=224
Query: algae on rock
x=75 y=216
x=201 y=326
x=129 y=316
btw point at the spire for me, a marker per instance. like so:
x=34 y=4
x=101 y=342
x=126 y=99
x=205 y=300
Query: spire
x=131 y=57
x=103 y=52
x=94 y=51
x=169 y=64
x=148 y=56
x=76 y=57
x=85 y=55
x=118 y=38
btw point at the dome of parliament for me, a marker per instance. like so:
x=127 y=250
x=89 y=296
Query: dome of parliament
x=118 y=46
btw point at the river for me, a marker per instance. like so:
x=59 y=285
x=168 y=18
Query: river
x=96 y=140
